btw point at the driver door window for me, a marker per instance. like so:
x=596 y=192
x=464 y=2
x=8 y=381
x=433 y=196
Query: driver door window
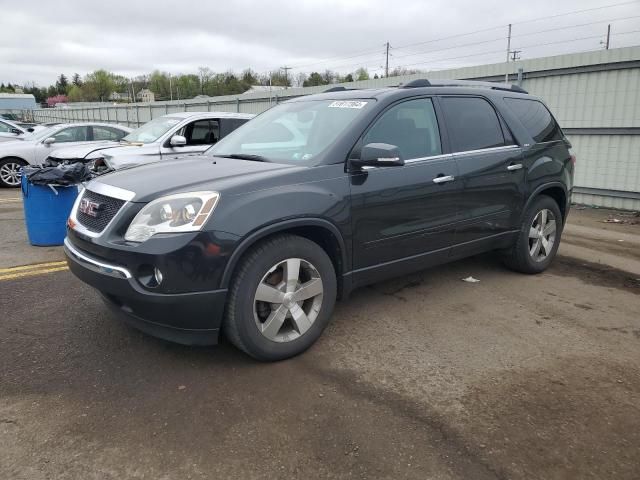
x=202 y=132
x=71 y=134
x=4 y=128
x=411 y=126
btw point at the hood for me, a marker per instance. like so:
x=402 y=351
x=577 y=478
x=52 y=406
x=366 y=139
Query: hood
x=192 y=174
x=82 y=151
x=131 y=155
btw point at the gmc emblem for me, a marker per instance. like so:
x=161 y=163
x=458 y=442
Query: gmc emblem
x=89 y=208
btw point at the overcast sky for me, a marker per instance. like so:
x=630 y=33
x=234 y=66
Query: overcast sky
x=38 y=40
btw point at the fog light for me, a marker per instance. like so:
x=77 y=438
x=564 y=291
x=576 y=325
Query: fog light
x=150 y=276
x=157 y=275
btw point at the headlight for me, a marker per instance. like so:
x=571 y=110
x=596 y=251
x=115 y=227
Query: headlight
x=183 y=212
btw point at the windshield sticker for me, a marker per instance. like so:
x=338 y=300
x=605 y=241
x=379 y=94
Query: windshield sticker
x=347 y=104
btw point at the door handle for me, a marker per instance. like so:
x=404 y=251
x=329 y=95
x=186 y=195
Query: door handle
x=444 y=179
x=514 y=166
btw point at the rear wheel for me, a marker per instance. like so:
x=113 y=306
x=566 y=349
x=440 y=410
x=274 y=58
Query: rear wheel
x=10 y=172
x=281 y=298
x=539 y=237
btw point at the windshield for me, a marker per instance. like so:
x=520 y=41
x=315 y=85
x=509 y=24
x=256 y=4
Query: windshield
x=294 y=132
x=152 y=131
x=44 y=133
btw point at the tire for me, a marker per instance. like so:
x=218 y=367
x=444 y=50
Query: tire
x=10 y=172
x=263 y=316
x=531 y=253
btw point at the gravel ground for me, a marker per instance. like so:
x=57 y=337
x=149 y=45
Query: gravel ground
x=420 y=377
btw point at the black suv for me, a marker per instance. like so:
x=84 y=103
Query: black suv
x=317 y=196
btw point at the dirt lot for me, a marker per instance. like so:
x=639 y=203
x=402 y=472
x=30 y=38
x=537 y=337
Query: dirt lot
x=421 y=377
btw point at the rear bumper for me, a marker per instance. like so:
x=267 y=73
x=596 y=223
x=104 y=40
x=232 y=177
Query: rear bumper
x=189 y=318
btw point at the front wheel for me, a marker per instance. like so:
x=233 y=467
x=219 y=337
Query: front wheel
x=539 y=237
x=10 y=172
x=281 y=298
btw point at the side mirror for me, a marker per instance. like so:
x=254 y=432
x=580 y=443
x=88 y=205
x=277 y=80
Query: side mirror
x=49 y=141
x=178 y=141
x=31 y=129
x=378 y=155
x=15 y=131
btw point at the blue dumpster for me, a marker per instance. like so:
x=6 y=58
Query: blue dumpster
x=46 y=209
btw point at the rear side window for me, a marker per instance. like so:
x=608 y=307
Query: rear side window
x=107 y=133
x=536 y=119
x=472 y=123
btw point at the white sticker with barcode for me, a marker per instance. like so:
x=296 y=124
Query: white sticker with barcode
x=347 y=104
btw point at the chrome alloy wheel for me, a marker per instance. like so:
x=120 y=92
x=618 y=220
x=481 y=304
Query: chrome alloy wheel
x=542 y=235
x=288 y=300
x=10 y=173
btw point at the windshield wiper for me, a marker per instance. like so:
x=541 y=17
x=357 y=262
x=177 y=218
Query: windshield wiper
x=244 y=156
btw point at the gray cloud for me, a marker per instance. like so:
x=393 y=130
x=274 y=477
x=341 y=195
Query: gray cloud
x=38 y=42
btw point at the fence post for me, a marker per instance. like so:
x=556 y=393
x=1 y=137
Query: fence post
x=150 y=111
x=208 y=106
x=237 y=104
x=185 y=106
x=126 y=110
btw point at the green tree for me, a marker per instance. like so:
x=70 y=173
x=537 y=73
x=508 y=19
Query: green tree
x=62 y=84
x=159 y=85
x=249 y=78
x=314 y=80
x=361 y=74
x=186 y=86
x=76 y=80
x=205 y=75
x=75 y=93
x=101 y=83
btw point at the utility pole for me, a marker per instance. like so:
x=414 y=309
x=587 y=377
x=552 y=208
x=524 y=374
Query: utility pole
x=170 y=88
x=506 y=73
x=608 y=36
x=286 y=75
x=386 y=63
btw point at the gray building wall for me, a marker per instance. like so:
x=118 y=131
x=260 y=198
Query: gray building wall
x=16 y=102
x=594 y=95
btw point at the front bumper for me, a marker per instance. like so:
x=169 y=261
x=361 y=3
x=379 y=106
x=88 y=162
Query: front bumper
x=192 y=318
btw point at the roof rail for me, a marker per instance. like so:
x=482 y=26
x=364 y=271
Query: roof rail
x=423 y=82
x=338 y=89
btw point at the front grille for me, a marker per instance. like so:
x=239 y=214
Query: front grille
x=108 y=208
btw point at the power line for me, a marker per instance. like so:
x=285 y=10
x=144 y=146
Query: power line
x=575 y=26
x=497 y=39
x=522 y=48
x=373 y=52
x=339 y=57
x=575 y=12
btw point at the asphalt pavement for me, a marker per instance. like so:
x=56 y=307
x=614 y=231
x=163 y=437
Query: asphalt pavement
x=421 y=377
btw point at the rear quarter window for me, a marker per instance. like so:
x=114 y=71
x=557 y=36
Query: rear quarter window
x=536 y=119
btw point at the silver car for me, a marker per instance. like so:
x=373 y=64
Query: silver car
x=35 y=148
x=171 y=136
x=10 y=131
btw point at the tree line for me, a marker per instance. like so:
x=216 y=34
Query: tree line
x=104 y=86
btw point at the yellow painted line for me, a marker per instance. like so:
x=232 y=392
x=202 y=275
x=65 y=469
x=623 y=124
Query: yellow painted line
x=31 y=273
x=32 y=267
